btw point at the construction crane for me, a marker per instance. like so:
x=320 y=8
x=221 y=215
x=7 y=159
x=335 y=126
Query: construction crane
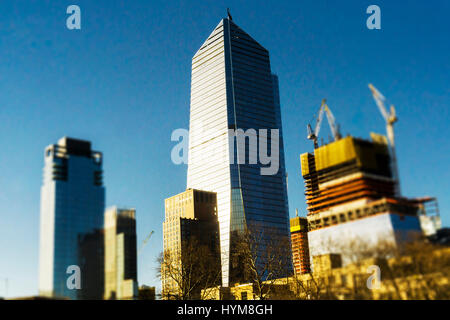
x=145 y=241
x=313 y=135
x=390 y=119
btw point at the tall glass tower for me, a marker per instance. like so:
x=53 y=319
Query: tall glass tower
x=72 y=211
x=232 y=87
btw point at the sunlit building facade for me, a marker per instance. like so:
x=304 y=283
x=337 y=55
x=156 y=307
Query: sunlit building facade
x=300 y=245
x=120 y=254
x=71 y=222
x=189 y=216
x=232 y=88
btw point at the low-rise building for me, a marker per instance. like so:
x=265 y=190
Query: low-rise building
x=300 y=246
x=189 y=216
x=400 y=278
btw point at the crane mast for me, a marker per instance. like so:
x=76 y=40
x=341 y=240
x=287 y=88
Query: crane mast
x=390 y=118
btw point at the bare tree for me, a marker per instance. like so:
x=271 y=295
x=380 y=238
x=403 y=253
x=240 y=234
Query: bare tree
x=190 y=272
x=414 y=269
x=261 y=257
x=420 y=270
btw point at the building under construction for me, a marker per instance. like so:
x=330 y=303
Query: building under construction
x=299 y=244
x=346 y=170
x=352 y=190
x=350 y=196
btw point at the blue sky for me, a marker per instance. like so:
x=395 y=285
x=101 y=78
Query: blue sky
x=123 y=82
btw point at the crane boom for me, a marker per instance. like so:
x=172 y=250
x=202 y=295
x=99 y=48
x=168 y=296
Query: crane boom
x=332 y=124
x=319 y=119
x=313 y=135
x=379 y=100
x=145 y=241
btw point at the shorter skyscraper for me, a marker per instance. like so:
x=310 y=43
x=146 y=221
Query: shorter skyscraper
x=92 y=260
x=120 y=254
x=190 y=218
x=71 y=222
x=300 y=247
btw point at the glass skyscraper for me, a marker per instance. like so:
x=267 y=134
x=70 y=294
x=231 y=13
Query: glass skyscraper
x=72 y=215
x=232 y=87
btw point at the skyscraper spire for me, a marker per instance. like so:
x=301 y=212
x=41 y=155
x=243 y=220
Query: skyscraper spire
x=229 y=14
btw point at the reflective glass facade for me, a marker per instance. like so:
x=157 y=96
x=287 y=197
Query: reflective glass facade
x=72 y=208
x=232 y=87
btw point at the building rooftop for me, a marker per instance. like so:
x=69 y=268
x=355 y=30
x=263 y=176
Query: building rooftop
x=75 y=146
